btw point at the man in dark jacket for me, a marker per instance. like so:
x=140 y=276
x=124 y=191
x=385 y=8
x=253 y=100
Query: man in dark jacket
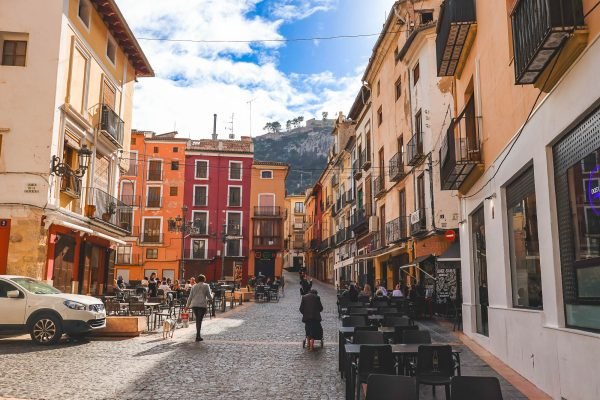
x=311 y=308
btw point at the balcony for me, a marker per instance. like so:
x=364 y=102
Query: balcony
x=334 y=180
x=268 y=242
x=128 y=259
x=396 y=230
x=359 y=221
x=375 y=243
x=456 y=31
x=365 y=156
x=102 y=206
x=418 y=222
x=131 y=200
x=356 y=169
x=379 y=185
x=340 y=236
x=111 y=125
x=328 y=202
x=397 y=171
x=539 y=28
x=151 y=237
x=350 y=197
x=414 y=149
x=71 y=185
x=324 y=244
x=314 y=245
x=460 y=153
x=267 y=212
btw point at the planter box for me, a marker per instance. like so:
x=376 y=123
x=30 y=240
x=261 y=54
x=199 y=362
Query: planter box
x=117 y=326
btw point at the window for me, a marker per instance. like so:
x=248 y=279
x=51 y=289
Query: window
x=173 y=191
x=198 y=250
x=155 y=150
x=380 y=115
x=13 y=53
x=421 y=192
x=201 y=169
x=426 y=17
x=234 y=248
x=401 y=151
x=419 y=131
x=235 y=196
x=523 y=239
x=235 y=171
x=153 y=198
x=84 y=12
x=398 y=89
x=416 y=74
x=478 y=244
x=6 y=287
x=299 y=207
x=124 y=254
x=151 y=232
x=111 y=49
x=174 y=165
x=133 y=140
x=128 y=192
x=378 y=88
x=200 y=222
x=152 y=254
x=175 y=149
x=234 y=223
x=266 y=174
x=155 y=170
x=200 y=196
x=132 y=168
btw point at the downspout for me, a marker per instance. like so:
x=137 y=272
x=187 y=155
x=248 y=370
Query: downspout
x=433 y=228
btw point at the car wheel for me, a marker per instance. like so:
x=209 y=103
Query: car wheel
x=46 y=330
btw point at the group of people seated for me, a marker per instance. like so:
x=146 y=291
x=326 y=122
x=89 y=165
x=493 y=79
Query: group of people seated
x=356 y=293
x=154 y=287
x=261 y=279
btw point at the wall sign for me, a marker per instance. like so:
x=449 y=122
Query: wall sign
x=31 y=188
x=594 y=190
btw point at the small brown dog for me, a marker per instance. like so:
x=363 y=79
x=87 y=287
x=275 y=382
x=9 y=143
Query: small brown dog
x=169 y=326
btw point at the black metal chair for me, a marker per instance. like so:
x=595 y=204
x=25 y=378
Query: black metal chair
x=457 y=317
x=390 y=387
x=260 y=294
x=411 y=336
x=373 y=359
x=395 y=321
x=435 y=367
x=357 y=311
x=475 y=387
x=370 y=328
x=354 y=320
x=137 y=308
x=368 y=337
x=399 y=330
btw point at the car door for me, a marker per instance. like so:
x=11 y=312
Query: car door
x=12 y=311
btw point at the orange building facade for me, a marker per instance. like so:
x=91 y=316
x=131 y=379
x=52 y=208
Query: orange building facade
x=267 y=210
x=154 y=186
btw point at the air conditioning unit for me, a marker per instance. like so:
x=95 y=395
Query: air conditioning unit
x=373 y=223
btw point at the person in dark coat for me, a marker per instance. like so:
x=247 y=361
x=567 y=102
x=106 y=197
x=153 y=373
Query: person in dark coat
x=311 y=308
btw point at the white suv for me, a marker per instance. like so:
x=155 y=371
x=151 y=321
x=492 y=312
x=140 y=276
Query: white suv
x=28 y=305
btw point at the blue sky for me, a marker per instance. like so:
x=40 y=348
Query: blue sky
x=195 y=80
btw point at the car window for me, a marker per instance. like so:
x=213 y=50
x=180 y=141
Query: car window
x=36 y=287
x=5 y=287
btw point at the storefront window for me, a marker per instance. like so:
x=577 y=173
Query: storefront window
x=480 y=270
x=524 y=246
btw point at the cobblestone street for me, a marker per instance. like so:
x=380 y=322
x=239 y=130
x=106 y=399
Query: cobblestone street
x=252 y=352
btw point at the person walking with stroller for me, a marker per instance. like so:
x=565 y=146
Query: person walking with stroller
x=311 y=308
x=200 y=295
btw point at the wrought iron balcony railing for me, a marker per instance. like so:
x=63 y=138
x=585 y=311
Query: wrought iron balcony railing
x=267 y=211
x=457 y=25
x=539 y=27
x=414 y=149
x=358 y=220
x=356 y=168
x=104 y=207
x=418 y=222
x=379 y=185
x=396 y=230
x=397 y=167
x=268 y=242
x=111 y=124
x=460 y=152
x=151 y=237
x=366 y=159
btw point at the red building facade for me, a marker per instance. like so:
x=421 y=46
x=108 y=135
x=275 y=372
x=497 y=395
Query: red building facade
x=217 y=196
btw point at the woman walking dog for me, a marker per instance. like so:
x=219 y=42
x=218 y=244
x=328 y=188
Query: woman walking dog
x=200 y=295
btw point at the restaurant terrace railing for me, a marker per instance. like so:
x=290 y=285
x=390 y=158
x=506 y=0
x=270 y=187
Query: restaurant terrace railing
x=456 y=26
x=538 y=29
x=414 y=149
x=397 y=167
x=111 y=125
x=460 y=152
x=396 y=230
x=104 y=207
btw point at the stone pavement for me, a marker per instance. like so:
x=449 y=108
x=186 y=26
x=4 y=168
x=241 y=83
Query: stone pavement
x=252 y=352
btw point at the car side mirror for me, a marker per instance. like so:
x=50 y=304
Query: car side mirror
x=13 y=294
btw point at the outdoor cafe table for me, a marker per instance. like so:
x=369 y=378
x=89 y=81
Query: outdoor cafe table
x=399 y=350
x=346 y=331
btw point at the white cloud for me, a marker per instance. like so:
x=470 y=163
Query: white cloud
x=195 y=80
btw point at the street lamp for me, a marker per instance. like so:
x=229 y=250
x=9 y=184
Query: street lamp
x=83 y=157
x=179 y=224
x=223 y=252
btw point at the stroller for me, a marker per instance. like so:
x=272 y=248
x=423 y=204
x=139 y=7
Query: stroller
x=316 y=332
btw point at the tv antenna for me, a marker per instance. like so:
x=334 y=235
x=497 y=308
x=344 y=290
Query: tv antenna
x=230 y=127
x=249 y=102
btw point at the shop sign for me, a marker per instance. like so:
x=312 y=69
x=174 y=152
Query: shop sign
x=594 y=190
x=264 y=255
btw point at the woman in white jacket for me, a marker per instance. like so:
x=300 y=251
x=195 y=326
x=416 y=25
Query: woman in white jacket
x=200 y=295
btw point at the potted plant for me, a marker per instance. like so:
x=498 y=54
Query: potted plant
x=111 y=209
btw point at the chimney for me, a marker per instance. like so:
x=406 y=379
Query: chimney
x=214 y=135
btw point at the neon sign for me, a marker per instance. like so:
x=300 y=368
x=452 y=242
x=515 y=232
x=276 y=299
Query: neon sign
x=594 y=191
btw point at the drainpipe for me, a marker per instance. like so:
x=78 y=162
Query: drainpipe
x=430 y=168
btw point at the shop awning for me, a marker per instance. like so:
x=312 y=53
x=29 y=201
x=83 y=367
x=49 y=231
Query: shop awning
x=69 y=225
x=378 y=253
x=421 y=259
x=109 y=238
x=452 y=254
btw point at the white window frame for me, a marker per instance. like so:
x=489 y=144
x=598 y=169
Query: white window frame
x=267 y=194
x=110 y=39
x=207 y=219
x=241 y=195
x=89 y=16
x=266 y=170
x=196 y=170
x=192 y=248
x=147 y=196
x=241 y=213
x=162 y=169
x=241 y=164
x=161 y=239
x=194 y=196
x=234 y=255
x=121 y=188
x=137 y=160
